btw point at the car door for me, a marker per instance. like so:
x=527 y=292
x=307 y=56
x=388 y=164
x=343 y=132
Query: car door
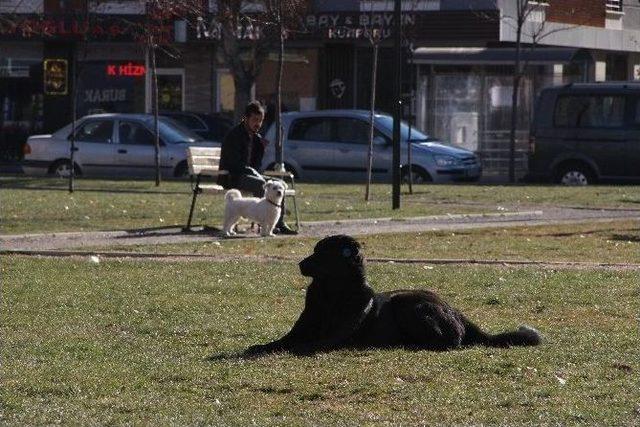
x=633 y=141
x=193 y=123
x=352 y=154
x=595 y=126
x=309 y=146
x=601 y=135
x=135 y=153
x=95 y=149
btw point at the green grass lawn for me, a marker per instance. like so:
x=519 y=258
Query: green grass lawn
x=615 y=241
x=131 y=342
x=32 y=205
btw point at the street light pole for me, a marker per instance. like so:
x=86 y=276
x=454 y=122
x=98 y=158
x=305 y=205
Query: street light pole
x=397 y=114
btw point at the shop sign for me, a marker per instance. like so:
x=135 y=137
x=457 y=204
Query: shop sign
x=101 y=88
x=363 y=19
x=356 y=26
x=72 y=28
x=212 y=30
x=56 y=77
x=125 y=70
x=104 y=95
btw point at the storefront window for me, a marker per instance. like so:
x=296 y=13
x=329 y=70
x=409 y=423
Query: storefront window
x=457 y=103
x=20 y=104
x=110 y=87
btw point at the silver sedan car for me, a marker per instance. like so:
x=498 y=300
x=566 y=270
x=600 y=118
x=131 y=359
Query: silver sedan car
x=121 y=145
x=332 y=145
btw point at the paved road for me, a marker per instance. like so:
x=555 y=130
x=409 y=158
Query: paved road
x=542 y=216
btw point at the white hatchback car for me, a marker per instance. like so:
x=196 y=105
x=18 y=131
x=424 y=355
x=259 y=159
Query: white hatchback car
x=120 y=145
x=332 y=145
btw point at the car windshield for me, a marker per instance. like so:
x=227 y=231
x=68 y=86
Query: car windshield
x=173 y=132
x=387 y=122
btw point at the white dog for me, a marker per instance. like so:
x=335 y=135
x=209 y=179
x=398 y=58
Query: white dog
x=265 y=211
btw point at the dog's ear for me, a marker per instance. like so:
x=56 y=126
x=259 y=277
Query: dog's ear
x=267 y=184
x=352 y=254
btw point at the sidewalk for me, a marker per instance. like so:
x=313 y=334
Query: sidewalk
x=545 y=216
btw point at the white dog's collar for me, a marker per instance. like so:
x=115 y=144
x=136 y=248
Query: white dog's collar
x=274 y=204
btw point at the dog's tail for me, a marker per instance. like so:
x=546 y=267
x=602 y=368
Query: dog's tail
x=232 y=194
x=523 y=336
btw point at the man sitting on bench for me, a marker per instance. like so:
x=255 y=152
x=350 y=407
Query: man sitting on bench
x=241 y=155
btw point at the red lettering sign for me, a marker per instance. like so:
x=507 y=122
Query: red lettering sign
x=126 y=70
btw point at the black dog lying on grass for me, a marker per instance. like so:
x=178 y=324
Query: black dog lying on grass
x=342 y=311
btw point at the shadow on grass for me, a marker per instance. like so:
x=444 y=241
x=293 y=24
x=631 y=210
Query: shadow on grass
x=172 y=230
x=197 y=230
x=355 y=351
x=627 y=237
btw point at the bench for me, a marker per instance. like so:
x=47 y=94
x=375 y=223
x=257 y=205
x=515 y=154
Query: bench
x=204 y=163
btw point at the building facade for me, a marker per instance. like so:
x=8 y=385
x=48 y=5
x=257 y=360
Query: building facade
x=459 y=62
x=460 y=70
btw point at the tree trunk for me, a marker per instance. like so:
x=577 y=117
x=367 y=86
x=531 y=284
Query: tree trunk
x=278 y=118
x=74 y=116
x=371 y=122
x=154 y=107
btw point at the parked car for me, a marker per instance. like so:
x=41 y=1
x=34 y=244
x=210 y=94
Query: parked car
x=332 y=145
x=586 y=133
x=208 y=126
x=112 y=145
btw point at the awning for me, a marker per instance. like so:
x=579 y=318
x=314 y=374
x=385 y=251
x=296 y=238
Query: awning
x=498 y=56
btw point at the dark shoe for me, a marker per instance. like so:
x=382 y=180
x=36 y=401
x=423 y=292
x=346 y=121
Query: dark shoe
x=284 y=230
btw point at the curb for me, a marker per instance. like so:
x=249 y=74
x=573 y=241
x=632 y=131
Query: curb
x=376 y=260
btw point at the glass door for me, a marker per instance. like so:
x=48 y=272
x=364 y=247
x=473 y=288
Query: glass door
x=171 y=89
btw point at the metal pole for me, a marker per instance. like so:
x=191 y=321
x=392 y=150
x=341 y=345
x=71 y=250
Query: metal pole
x=397 y=116
x=412 y=115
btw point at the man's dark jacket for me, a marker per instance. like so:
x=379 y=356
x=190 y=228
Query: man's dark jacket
x=234 y=155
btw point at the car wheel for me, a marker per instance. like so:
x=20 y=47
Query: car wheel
x=182 y=170
x=575 y=175
x=418 y=175
x=62 y=169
